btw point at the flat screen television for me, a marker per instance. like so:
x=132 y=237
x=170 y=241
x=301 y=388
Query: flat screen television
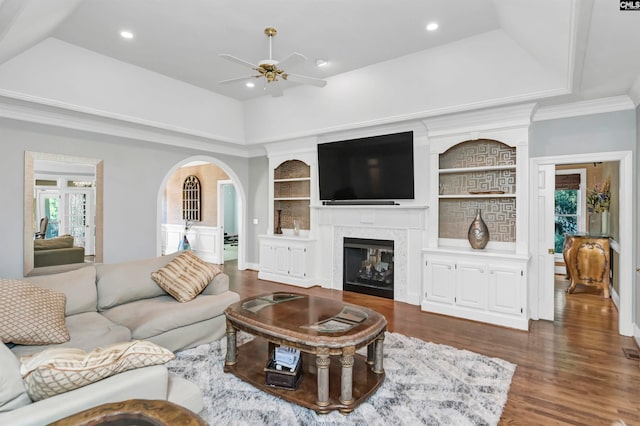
x=372 y=168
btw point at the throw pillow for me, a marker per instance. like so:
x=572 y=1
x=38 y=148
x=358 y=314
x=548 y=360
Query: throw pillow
x=185 y=276
x=58 y=370
x=31 y=315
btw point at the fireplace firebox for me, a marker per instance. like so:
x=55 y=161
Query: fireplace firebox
x=368 y=266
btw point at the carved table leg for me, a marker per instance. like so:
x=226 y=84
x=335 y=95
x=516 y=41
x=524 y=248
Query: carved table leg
x=230 y=358
x=377 y=365
x=346 y=384
x=371 y=353
x=323 y=360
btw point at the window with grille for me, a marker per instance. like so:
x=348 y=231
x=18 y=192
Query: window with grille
x=191 y=199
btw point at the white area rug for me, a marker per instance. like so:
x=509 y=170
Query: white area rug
x=425 y=383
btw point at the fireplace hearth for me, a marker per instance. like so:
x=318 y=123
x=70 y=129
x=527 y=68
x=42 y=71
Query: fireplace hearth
x=368 y=266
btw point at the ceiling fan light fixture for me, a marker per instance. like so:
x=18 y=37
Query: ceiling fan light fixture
x=432 y=26
x=126 y=34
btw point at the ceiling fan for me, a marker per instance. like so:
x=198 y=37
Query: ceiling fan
x=273 y=71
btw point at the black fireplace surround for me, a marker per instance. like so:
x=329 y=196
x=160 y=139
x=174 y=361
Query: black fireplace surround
x=368 y=266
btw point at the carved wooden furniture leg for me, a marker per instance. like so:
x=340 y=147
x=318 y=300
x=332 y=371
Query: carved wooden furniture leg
x=346 y=383
x=371 y=353
x=377 y=365
x=323 y=360
x=230 y=358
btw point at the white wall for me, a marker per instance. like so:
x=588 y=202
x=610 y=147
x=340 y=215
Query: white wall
x=133 y=172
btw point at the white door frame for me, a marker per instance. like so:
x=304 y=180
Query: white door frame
x=626 y=279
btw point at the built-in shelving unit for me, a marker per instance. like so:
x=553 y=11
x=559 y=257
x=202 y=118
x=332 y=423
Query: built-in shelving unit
x=483 y=169
x=288 y=257
x=292 y=194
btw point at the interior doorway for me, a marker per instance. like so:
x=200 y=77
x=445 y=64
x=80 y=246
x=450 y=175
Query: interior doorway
x=542 y=230
x=206 y=236
x=228 y=217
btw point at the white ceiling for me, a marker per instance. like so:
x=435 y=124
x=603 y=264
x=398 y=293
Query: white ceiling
x=584 y=46
x=182 y=39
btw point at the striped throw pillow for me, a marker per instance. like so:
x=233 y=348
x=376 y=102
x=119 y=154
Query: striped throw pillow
x=58 y=370
x=185 y=276
x=31 y=315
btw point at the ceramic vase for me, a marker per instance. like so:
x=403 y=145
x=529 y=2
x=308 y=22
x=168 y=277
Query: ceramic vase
x=478 y=234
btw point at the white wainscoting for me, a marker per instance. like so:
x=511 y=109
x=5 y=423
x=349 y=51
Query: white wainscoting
x=205 y=241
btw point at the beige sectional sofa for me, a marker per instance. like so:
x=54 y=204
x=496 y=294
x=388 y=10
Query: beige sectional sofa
x=109 y=303
x=56 y=251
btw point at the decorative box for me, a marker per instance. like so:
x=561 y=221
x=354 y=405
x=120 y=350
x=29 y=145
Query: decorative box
x=283 y=378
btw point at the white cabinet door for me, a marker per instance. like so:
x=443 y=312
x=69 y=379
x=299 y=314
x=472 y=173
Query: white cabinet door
x=439 y=280
x=267 y=258
x=505 y=290
x=281 y=254
x=297 y=261
x=471 y=285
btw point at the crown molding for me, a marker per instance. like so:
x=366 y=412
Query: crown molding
x=575 y=109
x=420 y=115
x=35 y=110
x=483 y=120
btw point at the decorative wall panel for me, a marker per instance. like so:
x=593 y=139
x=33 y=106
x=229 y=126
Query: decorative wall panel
x=292 y=210
x=498 y=213
x=478 y=153
x=292 y=169
x=286 y=189
x=465 y=183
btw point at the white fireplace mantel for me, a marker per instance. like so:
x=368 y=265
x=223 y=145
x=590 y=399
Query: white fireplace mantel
x=403 y=224
x=373 y=216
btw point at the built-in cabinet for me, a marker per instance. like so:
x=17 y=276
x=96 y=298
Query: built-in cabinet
x=286 y=260
x=478 y=161
x=286 y=249
x=482 y=287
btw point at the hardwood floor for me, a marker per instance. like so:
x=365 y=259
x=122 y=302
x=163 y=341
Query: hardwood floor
x=571 y=371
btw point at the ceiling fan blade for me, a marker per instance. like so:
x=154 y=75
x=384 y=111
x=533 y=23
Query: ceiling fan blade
x=274 y=89
x=306 y=80
x=291 y=61
x=238 y=61
x=233 y=80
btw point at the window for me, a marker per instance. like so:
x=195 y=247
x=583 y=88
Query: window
x=191 y=199
x=569 y=201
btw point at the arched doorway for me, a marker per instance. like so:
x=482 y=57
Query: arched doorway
x=207 y=235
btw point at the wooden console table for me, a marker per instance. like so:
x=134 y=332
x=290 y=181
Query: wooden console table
x=587 y=258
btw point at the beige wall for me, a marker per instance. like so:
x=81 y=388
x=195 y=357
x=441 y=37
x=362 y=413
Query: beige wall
x=209 y=175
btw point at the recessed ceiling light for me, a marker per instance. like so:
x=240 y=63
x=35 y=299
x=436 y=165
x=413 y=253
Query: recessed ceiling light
x=250 y=84
x=126 y=34
x=321 y=62
x=432 y=26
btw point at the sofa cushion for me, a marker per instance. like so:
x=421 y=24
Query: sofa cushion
x=79 y=286
x=59 y=370
x=149 y=317
x=12 y=391
x=125 y=282
x=30 y=315
x=88 y=331
x=185 y=276
x=63 y=241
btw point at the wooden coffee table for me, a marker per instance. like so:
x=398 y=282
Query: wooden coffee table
x=320 y=328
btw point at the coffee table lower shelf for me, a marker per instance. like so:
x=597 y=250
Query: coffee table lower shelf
x=252 y=357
